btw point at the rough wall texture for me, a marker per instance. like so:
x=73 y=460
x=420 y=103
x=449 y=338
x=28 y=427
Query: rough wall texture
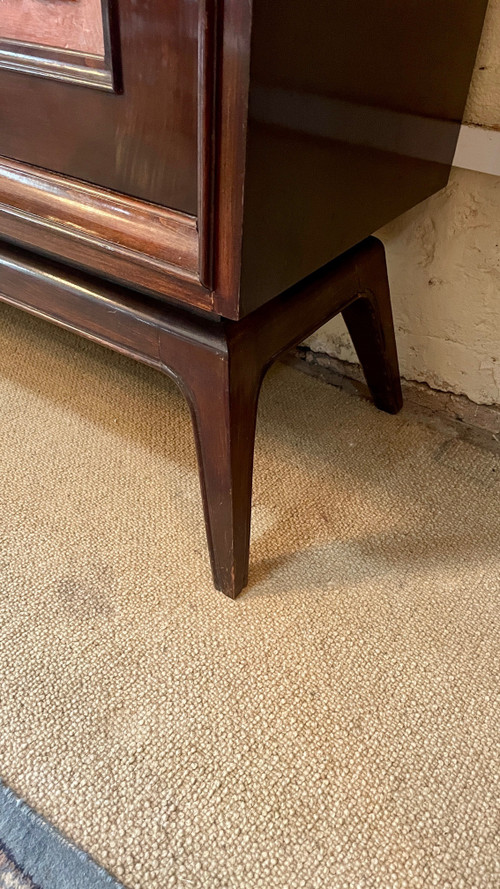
x=483 y=106
x=444 y=266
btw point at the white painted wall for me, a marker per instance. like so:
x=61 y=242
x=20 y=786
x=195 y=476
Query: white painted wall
x=444 y=260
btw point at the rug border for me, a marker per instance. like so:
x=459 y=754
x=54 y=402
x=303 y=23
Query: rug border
x=45 y=855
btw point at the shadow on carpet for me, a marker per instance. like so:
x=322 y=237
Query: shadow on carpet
x=34 y=855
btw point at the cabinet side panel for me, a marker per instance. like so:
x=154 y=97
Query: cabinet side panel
x=354 y=115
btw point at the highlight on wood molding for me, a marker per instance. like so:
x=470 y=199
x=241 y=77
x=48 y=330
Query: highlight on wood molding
x=76 y=41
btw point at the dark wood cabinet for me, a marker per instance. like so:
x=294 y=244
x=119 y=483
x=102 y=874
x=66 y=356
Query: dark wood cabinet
x=193 y=194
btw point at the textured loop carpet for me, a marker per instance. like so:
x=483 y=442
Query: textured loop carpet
x=335 y=727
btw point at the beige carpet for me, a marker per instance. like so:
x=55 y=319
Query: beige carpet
x=335 y=727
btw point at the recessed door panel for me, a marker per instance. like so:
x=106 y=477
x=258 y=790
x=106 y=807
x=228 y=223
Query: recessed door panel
x=68 y=24
x=136 y=133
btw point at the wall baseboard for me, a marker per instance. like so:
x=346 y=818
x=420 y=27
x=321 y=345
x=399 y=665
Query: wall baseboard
x=479 y=424
x=478 y=149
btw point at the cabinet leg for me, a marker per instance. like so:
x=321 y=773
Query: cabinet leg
x=220 y=365
x=223 y=396
x=224 y=423
x=370 y=323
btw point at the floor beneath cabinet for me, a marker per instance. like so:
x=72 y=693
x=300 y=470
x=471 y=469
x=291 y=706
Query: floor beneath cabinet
x=334 y=727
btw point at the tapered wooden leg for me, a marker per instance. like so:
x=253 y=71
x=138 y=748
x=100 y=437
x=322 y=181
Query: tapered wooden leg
x=224 y=419
x=222 y=389
x=220 y=367
x=370 y=323
x=220 y=364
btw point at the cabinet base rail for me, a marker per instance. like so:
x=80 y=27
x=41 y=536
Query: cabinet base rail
x=220 y=364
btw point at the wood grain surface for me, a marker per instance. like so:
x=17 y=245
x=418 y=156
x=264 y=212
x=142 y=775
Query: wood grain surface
x=67 y=24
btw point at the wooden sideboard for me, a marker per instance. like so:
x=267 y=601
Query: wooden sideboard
x=199 y=190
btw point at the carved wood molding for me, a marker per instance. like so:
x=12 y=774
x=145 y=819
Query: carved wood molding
x=24 y=55
x=119 y=236
x=57 y=64
x=125 y=238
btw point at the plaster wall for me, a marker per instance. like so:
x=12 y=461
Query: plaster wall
x=444 y=265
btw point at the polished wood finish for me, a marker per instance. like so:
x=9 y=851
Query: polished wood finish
x=142 y=143
x=84 y=52
x=56 y=64
x=232 y=82
x=253 y=146
x=149 y=246
x=354 y=110
x=220 y=365
x=67 y=24
x=286 y=150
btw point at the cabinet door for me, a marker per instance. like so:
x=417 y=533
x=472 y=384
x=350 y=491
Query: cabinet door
x=100 y=103
x=108 y=96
